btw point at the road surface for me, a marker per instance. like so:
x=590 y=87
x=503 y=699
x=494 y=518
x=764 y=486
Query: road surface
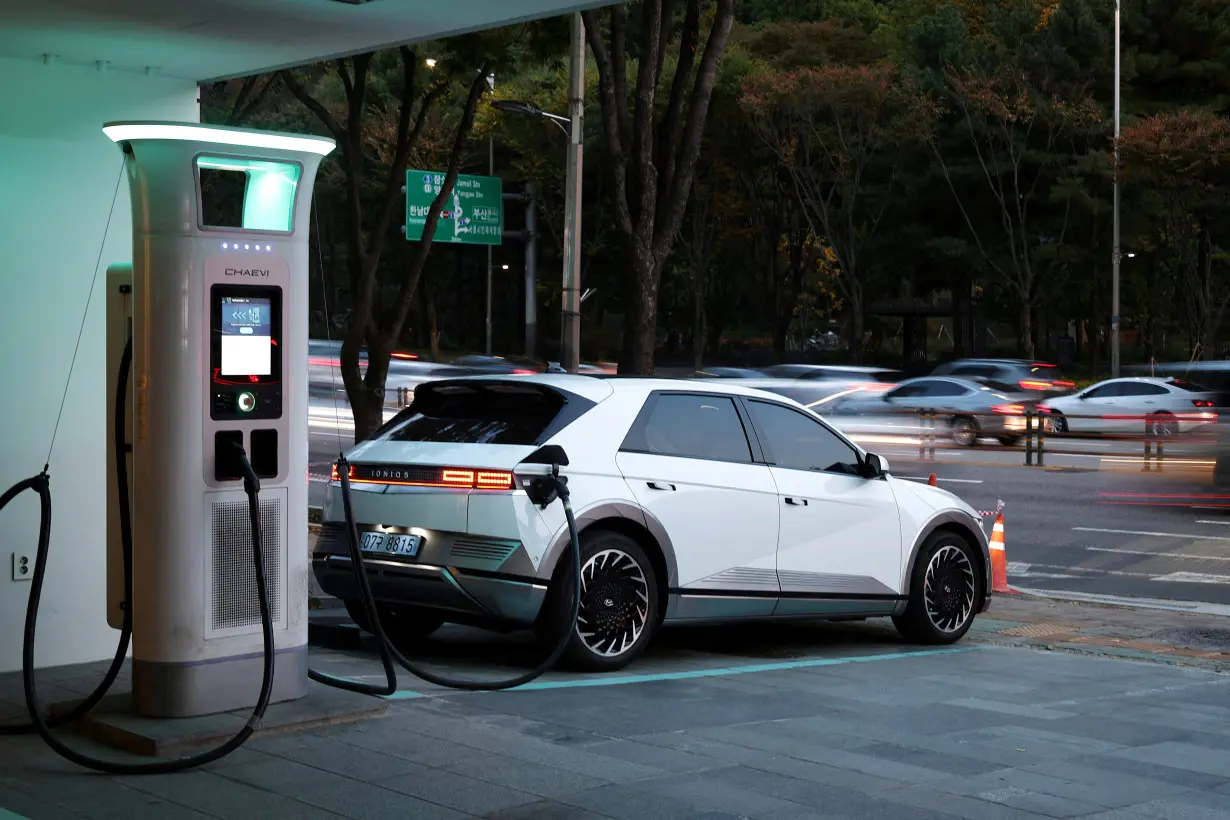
x=1092 y=522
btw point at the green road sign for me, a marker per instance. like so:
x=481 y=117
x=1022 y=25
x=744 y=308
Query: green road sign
x=473 y=215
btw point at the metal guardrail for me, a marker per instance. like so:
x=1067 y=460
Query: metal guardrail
x=1040 y=439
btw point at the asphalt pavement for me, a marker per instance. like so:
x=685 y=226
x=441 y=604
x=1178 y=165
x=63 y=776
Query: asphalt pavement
x=1092 y=522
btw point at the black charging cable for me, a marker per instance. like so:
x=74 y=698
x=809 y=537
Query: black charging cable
x=41 y=484
x=388 y=652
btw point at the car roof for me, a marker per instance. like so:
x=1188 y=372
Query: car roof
x=849 y=368
x=597 y=387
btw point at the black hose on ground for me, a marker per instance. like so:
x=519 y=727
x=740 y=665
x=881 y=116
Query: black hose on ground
x=388 y=652
x=41 y=484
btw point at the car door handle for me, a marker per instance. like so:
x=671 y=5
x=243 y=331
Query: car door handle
x=797 y=502
x=660 y=485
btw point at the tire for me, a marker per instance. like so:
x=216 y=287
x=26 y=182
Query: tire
x=964 y=431
x=1163 y=425
x=1010 y=441
x=948 y=562
x=1057 y=422
x=619 y=596
x=403 y=625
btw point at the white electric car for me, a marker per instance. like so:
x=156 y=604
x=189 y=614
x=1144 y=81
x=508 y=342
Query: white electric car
x=1153 y=406
x=696 y=502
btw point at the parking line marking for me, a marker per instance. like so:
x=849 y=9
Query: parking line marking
x=1193 y=578
x=692 y=674
x=1159 y=554
x=1154 y=534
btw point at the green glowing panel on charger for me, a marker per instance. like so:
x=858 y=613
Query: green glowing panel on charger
x=247 y=194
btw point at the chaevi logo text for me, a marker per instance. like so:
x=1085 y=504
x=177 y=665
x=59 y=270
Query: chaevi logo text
x=245 y=272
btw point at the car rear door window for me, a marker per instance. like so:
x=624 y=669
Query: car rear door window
x=794 y=440
x=941 y=389
x=1142 y=389
x=690 y=426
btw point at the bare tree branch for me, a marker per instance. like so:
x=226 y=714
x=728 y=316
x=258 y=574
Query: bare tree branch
x=672 y=124
x=310 y=103
x=698 y=109
x=405 y=298
x=614 y=108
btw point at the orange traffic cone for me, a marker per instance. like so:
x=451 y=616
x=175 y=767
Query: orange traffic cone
x=932 y=481
x=999 y=559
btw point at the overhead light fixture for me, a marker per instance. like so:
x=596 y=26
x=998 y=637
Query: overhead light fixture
x=431 y=62
x=352 y=2
x=128 y=131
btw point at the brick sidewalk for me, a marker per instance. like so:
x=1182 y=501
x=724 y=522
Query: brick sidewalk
x=1157 y=635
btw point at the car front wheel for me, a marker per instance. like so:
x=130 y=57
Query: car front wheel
x=619 y=603
x=945 y=588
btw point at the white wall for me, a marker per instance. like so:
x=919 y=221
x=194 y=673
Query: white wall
x=58 y=173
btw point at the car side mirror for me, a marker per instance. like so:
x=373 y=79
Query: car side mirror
x=874 y=466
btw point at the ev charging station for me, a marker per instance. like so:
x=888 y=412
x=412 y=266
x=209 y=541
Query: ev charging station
x=207 y=334
x=215 y=303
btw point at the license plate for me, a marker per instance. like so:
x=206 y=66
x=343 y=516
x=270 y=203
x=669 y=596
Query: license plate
x=391 y=543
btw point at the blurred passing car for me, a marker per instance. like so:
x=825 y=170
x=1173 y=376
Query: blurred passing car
x=493 y=365
x=1153 y=406
x=816 y=386
x=1009 y=375
x=833 y=372
x=967 y=410
x=728 y=373
x=405 y=370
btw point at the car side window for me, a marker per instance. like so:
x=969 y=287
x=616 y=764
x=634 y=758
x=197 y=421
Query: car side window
x=937 y=389
x=690 y=426
x=1106 y=391
x=1142 y=389
x=903 y=392
x=794 y=440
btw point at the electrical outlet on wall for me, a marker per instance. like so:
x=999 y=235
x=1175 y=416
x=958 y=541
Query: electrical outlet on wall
x=23 y=566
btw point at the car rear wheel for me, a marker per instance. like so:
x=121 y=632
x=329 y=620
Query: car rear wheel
x=402 y=624
x=619 y=603
x=1162 y=425
x=945 y=588
x=964 y=431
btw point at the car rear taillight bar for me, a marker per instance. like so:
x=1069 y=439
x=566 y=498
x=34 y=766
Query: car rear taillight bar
x=456 y=478
x=1009 y=409
x=1201 y=403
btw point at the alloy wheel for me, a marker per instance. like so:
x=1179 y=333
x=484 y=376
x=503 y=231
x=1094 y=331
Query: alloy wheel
x=948 y=589
x=1161 y=428
x=614 y=603
x=963 y=432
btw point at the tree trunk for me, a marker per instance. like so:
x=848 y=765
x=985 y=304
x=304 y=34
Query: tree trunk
x=858 y=322
x=1027 y=329
x=643 y=288
x=698 y=324
x=433 y=328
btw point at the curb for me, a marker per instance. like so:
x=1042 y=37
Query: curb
x=1125 y=602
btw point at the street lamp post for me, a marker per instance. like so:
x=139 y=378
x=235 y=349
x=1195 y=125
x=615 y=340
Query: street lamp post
x=571 y=353
x=573 y=127
x=1114 y=253
x=490 y=172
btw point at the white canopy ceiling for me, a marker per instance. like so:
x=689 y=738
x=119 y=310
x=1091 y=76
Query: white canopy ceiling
x=206 y=40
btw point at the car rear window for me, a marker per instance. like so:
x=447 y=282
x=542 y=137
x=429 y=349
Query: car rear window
x=484 y=413
x=1191 y=387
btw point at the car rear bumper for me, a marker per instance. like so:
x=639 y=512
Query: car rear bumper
x=454 y=574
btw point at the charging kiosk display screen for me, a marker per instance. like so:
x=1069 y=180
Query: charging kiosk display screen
x=247 y=336
x=245 y=367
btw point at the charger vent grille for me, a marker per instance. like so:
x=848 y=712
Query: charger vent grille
x=234 y=602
